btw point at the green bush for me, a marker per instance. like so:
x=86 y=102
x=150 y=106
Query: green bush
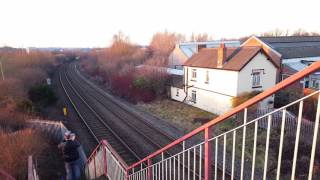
x=25 y=105
x=140 y=83
x=42 y=95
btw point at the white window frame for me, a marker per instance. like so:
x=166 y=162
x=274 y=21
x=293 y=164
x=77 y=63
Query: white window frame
x=207 y=77
x=193 y=96
x=193 y=74
x=256 y=79
x=314 y=83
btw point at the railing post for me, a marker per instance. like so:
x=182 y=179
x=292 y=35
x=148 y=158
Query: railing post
x=149 y=170
x=207 y=154
x=105 y=158
x=127 y=174
x=94 y=165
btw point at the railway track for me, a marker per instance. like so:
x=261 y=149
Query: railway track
x=151 y=134
x=146 y=130
x=100 y=100
x=94 y=122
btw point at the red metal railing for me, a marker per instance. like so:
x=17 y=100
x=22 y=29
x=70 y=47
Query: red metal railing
x=103 y=147
x=206 y=129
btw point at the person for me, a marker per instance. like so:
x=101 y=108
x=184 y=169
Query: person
x=71 y=156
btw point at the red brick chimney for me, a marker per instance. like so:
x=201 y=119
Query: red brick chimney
x=222 y=55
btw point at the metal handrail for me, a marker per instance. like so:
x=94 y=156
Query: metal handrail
x=206 y=128
x=105 y=143
x=283 y=84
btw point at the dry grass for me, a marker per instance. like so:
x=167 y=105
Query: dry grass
x=22 y=71
x=11 y=119
x=15 y=148
x=179 y=113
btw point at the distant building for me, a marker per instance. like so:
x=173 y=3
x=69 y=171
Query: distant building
x=296 y=52
x=183 y=51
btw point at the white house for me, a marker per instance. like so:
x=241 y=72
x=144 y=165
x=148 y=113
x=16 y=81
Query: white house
x=214 y=75
x=183 y=51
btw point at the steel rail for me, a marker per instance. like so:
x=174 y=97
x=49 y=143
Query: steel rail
x=108 y=128
x=104 y=94
x=129 y=123
x=137 y=118
x=76 y=109
x=123 y=144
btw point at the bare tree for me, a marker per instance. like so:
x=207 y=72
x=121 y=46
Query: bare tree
x=200 y=37
x=300 y=32
x=275 y=33
x=163 y=43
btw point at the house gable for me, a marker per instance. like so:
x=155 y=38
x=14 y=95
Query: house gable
x=177 y=58
x=267 y=74
x=270 y=52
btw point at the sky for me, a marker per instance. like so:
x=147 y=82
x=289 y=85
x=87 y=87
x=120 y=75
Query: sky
x=92 y=23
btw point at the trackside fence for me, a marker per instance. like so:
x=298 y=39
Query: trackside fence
x=291 y=122
x=231 y=146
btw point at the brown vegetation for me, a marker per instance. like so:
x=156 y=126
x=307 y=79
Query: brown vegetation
x=15 y=148
x=117 y=66
x=22 y=72
x=10 y=119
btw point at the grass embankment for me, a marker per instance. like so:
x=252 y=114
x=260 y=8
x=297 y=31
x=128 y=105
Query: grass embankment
x=178 y=113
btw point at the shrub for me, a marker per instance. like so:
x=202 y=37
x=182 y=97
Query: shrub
x=243 y=97
x=15 y=148
x=140 y=83
x=122 y=85
x=42 y=95
x=286 y=96
x=10 y=118
x=25 y=105
x=11 y=87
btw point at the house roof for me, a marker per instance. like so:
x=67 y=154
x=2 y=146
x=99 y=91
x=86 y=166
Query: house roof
x=237 y=58
x=206 y=58
x=294 y=46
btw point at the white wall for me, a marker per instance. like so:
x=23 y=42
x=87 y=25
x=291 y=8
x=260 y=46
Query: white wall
x=173 y=92
x=177 y=57
x=209 y=101
x=268 y=78
x=214 y=96
x=220 y=81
